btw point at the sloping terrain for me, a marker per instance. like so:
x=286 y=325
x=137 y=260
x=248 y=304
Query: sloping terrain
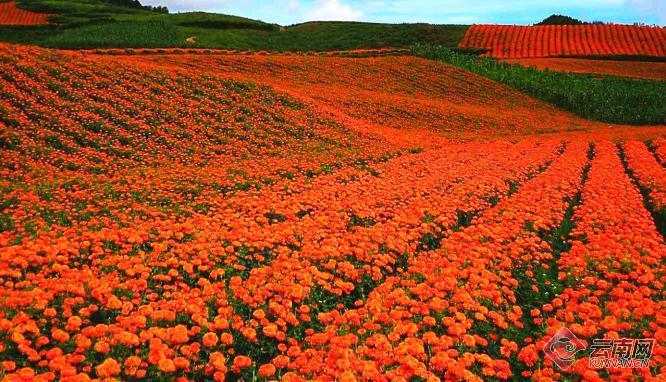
x=512 y=41
x=633 y=69
x=283 y=217
x=403 y=93
x=140 y=115
x=609 y=99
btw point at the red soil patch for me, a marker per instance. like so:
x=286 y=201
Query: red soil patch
x=635 y=69
x=10 y=14
x=511 y=41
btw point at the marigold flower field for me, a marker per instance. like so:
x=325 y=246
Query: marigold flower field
x=514 y=41
x=10 y=14
x=197 y=217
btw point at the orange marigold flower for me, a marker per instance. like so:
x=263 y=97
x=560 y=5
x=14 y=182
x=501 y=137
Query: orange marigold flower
x=73 y=323
x=221 y=323
x=50 y=312
x=281 y=361
x=181 y=363
x=529 y=355
x=60 y=335
x=226 y=339
x=166 y=365
x=127 y=338
x=218 y=361
x=132 y=361
x=241 y=362
x=109 y=368
x=179 y=335
x=8 y=366
x=266 y=370
x=113 y=303
x=249 y=333
x=259 y=314
x=270 y=330
x=210 y=339
x=102 y=347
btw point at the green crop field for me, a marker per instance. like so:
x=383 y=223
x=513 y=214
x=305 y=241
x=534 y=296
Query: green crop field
x=603 y=98
x=84 y=24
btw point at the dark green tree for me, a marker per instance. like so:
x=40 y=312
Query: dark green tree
x=560 y=20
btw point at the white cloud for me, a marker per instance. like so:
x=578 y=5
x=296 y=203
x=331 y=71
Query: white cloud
x=326 y=10
x=294 y=6
x=650 y=7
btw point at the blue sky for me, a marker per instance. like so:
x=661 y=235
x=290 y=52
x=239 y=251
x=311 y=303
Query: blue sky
x=286 y=12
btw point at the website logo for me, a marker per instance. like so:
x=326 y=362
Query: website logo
x=562 y=348
x=606 y=353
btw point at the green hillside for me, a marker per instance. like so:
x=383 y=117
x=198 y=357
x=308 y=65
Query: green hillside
x=603 y=98
x=85 y=24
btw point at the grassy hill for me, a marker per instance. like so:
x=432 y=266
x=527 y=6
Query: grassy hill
x=98 y=24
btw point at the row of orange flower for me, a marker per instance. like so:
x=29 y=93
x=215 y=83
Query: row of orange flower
x=660 y=150
x=453 y=306
x=649 y=173
x=613 y=272
x=10 y=14
x=509 y=41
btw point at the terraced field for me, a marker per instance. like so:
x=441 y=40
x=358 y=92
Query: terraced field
x=513 y=41
x=10 y=14
x=193 y=217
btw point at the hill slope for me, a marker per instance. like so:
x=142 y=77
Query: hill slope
x=97 y=24
x=399 y=92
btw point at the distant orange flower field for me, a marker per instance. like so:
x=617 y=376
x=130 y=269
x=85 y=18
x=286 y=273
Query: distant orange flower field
x=10 y=14
x=514 y=41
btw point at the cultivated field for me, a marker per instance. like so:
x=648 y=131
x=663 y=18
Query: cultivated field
x=513 y=41
x=633 y=69
x=408 y=94
x=254 y=217
x=89 y=24
x=10 y=14
x=609 y=99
